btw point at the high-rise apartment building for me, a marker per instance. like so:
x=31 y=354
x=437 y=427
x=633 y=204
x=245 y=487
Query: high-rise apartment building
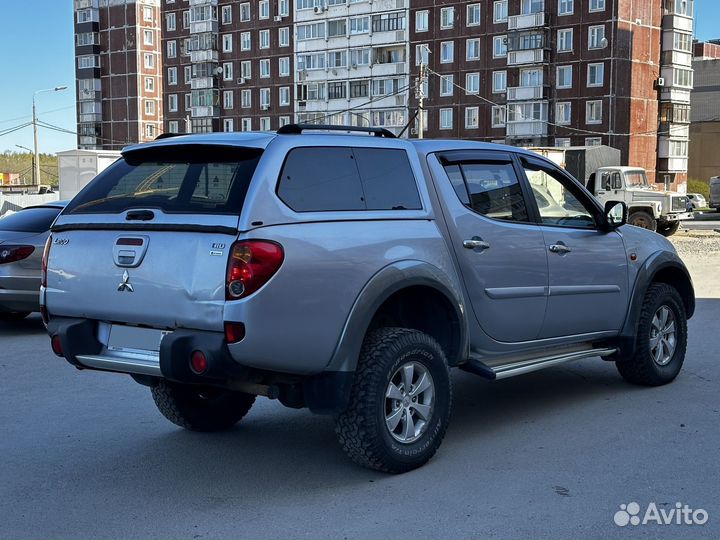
x=119 y=72
x=525 y=72
x=704 y=159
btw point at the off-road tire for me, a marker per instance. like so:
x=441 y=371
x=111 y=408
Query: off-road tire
x=644 y=220
x=641 y=368
x=361 y=428
x=198 y=408
x=669 y=229
x=13 y=315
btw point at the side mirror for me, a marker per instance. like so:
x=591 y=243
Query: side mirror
x=616 y=214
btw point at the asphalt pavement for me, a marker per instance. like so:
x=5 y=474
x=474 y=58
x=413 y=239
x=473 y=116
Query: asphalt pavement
x=551 y=454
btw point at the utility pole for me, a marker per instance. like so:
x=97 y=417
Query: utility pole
x=36 y=155
x=420 y=90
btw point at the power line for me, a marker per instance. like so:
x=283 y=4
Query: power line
x=14 y=129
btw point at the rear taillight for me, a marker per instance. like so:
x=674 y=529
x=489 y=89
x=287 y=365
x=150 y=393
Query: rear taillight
x=45 y=257
x=10 y=254
x=252 y=263
x=56 y=345
x=234 y=332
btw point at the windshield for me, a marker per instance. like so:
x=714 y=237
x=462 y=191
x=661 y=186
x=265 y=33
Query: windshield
x=636 y=179
x=32 y=220
x=192 y=178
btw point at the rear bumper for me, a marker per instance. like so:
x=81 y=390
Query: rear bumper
x=19 y=294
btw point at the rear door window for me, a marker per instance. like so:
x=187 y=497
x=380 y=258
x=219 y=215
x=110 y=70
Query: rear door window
x=322 y=179
x=187 y=179
x=32 y=220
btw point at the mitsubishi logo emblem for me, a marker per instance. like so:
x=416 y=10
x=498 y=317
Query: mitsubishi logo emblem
x=125 y=284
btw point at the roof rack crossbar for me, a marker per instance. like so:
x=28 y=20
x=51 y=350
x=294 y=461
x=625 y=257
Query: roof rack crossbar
x=297 y=129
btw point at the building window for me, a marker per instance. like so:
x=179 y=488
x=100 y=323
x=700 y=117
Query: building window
x=446 y=85
x=447 y=17
x=597 y=5
x=187 y=74
x=185 y=50
x=596 y=37
x=472 y=117
x=565 y=40
x=246 y=124
x=422 y=54
x=336 y=59
x=310 y=31
x=148 y=60
x=679 y=149
x=447 y=52
x=500 y=11
x=148 y=37
x=682 y=42
x=531 y=6
x=563 y=111
x=246 y=99
x=595 y=74
x=593 y=112
x=170 y=22
x=188 y=102
x=150 y=132
x=472 y=49
x=171 y=48
x=566 y=7
x=498 y=116
x=421 y=21
x=337 y=90
x=264 y=39
x=499 y=46
x=283 y=121
x=172 y=75
x=562 y=142
x=173 y=126
x=683 y=77
x=359 y=25
x=472 y=83
x=226 y=15
x=149 y=108
x=186 y=19
x=264 y=98
x=264 y=9
x=593 y=141
x=227 y=71
x=88 y=61
x=359 y=89
x=284 y=66
x=388 y=22
x=473 y=15
x=284 y=96
x=245 y=12
x=147 y=14
x=265 y=123
x=564 y=77
x=499 y=82
x=284 y=36
x=264 y=68
x=284 y=8
x=246 y=69
x=149 y=84
x=245 y=41
x=228 y=125
x=227 y=43
x=228 y=99
x=172 y=102
x=446 y=118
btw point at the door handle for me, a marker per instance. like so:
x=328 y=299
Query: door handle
x=476 y=243
x=560 y=248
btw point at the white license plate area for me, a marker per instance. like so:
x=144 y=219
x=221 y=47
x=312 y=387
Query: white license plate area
x=135 y=340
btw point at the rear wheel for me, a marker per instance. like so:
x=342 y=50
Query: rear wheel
x=14 y=315
x=661 y=339
x=668 y=229
x=200 y=408
x=400 y=401
x=642 y=219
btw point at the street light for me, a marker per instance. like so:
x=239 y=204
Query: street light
x=36 y=158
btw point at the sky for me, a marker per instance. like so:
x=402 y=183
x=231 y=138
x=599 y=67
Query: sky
x=37 y=53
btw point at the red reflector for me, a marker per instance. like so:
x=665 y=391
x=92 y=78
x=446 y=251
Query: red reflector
x=9 y=254
x=234 y=331
x=129 y=242
x=252 y=263
x=198 y=362
x=56 y=345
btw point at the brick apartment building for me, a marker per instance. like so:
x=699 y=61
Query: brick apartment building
x=705 y=113
x=526 y=72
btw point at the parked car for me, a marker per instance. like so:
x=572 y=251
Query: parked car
x=347 y=274
x=697 y=200
x=715 y=193
x=22 y=238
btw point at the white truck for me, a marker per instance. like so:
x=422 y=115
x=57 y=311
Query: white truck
x=77 y=167
x=598 y=167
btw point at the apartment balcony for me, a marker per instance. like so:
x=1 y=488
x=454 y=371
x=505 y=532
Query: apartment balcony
x=529 y=21
x=203 y=83
x=677 y=22
x=194 y=3
x=207 y=55
x=380 y=70
x=201 y=27
x=527 y=128
x=530 y=56
x=91 y=117
x=526 y=93
x=676 y=58
x=674 y=130
x=673 y=164
x=206 y=112
x=87 y=4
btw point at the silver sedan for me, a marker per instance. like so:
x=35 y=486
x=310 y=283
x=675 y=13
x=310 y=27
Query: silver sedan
x=22 y=239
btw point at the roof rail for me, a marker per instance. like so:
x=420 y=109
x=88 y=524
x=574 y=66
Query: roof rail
x=167 y=136
x=297 y=129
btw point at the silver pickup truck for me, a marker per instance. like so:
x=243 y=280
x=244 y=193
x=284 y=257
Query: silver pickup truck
x=348 y=274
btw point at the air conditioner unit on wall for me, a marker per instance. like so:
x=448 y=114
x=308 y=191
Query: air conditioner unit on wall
x=317 y=10
x=660 y=82
x=278 y=18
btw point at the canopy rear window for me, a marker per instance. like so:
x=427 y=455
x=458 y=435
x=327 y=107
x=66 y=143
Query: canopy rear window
x=177 y=178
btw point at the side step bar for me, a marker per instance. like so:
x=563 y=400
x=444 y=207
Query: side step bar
x=527 y=366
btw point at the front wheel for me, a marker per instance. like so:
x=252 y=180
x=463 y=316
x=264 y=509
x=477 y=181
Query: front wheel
x=400 y=401
x=200 y=408
x=668 y=229
x=661 y=339
x=643 y=219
